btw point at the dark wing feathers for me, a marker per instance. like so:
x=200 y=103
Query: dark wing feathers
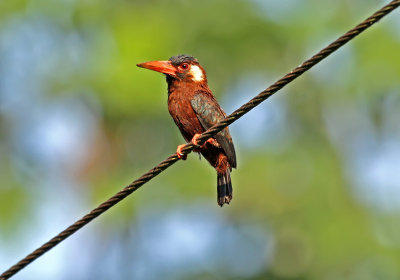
x=209 y=113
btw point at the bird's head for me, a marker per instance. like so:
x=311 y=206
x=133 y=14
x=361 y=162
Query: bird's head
x=182 y=67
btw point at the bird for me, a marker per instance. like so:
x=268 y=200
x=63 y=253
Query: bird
x=194 y=109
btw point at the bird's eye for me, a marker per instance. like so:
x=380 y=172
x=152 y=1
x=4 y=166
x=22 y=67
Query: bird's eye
x=185 y=66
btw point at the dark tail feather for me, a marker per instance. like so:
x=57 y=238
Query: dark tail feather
x=224 y=188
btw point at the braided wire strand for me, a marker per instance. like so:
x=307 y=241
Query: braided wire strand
x=299 y=70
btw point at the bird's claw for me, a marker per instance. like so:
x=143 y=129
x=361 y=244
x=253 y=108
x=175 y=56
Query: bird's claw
x=179 y=152
x=194 y=141
x=197 y=136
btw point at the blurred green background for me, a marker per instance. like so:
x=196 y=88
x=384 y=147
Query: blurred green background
x=317 y=189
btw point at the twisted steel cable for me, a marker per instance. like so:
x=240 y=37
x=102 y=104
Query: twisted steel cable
x=204 y=136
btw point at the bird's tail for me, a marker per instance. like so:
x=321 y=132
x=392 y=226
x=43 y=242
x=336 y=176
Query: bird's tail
x=224 y=187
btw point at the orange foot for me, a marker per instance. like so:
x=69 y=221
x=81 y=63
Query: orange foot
x=196 y=137
x=179 y=152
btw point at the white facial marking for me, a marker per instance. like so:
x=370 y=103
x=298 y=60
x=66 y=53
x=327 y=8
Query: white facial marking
x=196 y=72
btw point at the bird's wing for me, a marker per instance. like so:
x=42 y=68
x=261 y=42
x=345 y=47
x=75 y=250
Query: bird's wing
x=209 y=113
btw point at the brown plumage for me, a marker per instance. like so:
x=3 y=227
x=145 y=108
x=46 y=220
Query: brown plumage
x=194 y=109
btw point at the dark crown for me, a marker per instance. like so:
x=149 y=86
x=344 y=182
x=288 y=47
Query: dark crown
x=179 y=59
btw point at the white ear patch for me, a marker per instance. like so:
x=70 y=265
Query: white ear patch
x=196 y=72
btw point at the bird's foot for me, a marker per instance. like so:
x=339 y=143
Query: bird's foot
x=179 y=152
x=195 y=139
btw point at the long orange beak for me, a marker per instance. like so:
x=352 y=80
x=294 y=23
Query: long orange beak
x=165 y=67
